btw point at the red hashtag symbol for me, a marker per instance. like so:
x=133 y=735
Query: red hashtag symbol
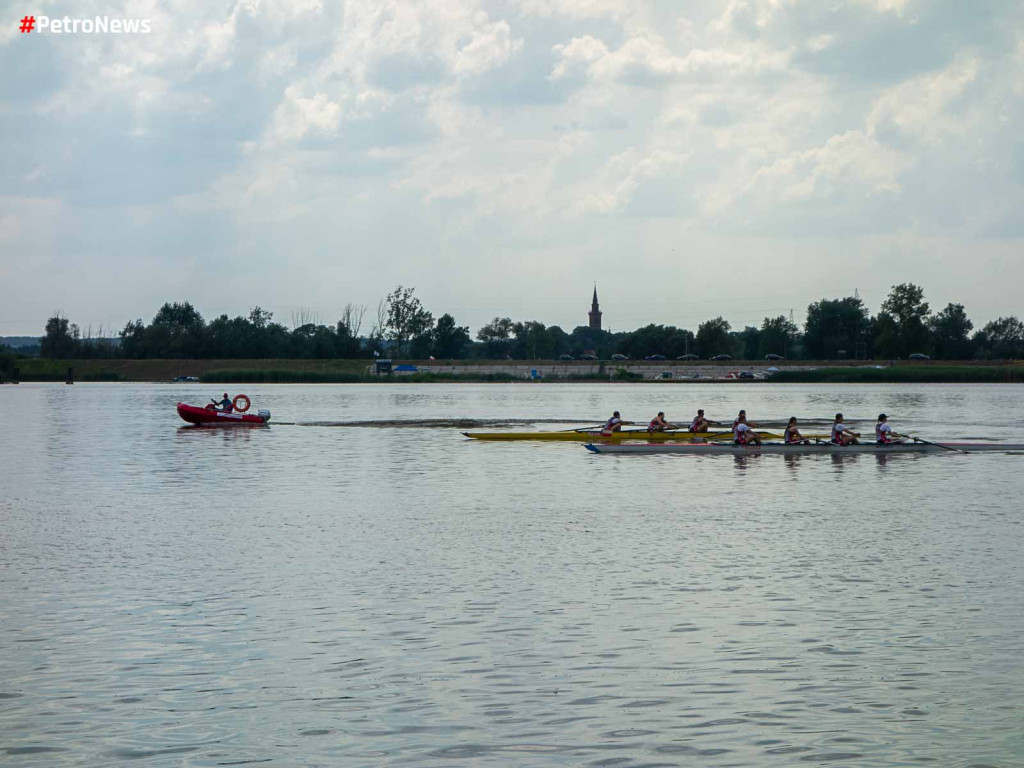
x=27 y=23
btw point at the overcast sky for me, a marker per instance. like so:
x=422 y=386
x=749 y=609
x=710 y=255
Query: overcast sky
x=693 y=157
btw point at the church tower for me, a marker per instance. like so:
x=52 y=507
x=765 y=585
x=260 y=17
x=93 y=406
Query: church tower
x=595 y=312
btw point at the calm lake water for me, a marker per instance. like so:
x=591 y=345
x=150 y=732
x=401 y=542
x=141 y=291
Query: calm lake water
x=318 y=595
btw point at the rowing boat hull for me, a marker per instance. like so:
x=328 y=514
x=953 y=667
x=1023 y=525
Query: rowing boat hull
x=592 y=435
x=711 y=449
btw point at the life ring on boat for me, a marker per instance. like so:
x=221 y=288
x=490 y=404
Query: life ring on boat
x=238 y=400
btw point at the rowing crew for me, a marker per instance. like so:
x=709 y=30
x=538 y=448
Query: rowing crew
x=659 y=424
x=744 y=434
x=840 y=434
x=884 y=435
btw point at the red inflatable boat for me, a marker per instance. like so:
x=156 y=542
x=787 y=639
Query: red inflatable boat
x=195 y=414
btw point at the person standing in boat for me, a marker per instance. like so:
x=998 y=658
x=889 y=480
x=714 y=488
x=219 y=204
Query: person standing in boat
x=658 y=424
x=225 y=405
x=883 y=431
x=742 y=434
x=841 y=435
x=792 y=435
x=614 y=424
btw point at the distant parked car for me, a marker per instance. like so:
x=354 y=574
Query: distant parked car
x=745 y=375
x=722 y=357
x=690 y=356
x=655 y=357
x=588 y=357
x=919 y=356
x=774 y=357
x=565 y=357
x=617 y=356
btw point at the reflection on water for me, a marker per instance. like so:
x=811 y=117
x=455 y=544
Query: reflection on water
x=384 y=595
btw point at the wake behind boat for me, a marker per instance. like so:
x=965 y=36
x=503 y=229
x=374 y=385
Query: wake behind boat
x=712 y=449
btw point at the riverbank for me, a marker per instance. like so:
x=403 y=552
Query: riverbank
x=907 y=374
x=361 y=371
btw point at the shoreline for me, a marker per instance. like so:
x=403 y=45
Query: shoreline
x=289 y=371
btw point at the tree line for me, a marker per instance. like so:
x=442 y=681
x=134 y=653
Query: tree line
x=402 y=327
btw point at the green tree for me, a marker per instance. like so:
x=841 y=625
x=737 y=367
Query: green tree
x=450 y=340
x=177 y=331
x=901 y=328
x=778 y=336
x=585 y=340
x=61 y=340
x=950 y=331
x=497 y=338
x=351 y=322
x=713 y=338
x=8 y=362
x=406 y=318
x=835 y=324
x=749 y=342
x=421 y=347
x=561 y=340
x=656 y=339
x=1002 y=339
x=133 y=339
x=532 y=341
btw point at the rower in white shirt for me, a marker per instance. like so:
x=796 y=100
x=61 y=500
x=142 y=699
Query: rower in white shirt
x=883 y=431
x=841 y=435
x=613 y=425
x=699 y=423
x=742 y=434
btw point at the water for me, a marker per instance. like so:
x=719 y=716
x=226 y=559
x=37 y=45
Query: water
x=321 y=595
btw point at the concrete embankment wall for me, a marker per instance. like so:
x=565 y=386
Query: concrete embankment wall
x=558 y=370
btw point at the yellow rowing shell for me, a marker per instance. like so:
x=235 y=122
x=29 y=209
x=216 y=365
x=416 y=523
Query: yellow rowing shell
x=590 y=436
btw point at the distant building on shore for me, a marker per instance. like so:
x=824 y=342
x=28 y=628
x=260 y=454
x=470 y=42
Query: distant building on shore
x=595 y=313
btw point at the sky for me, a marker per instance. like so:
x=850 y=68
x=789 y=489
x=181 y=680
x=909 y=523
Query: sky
x=693 y=158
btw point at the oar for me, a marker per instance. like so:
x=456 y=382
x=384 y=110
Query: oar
x=929 y=442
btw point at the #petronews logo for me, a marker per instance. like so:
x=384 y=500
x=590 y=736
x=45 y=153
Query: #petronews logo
x=97 y=25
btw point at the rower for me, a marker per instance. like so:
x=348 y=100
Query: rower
x=792 y=435
x=699 y=423
x=841 y=435
x=742 y=433
x=225 y=405
x=658 y=423
x=742 y=417
x=614 y=424
x=883 y=431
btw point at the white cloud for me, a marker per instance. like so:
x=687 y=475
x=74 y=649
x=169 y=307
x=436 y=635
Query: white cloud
x=623 y=175
x=920 y=107
x=648 y=60
x=577 y=9
x=558 y=133
x=298 y=116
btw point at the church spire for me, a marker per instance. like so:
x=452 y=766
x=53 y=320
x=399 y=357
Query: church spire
x=595 y=312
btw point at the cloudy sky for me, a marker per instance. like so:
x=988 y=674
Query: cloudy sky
x=693 y=157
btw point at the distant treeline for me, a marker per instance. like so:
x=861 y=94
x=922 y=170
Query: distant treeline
x=832 y=329
x=8 y=362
